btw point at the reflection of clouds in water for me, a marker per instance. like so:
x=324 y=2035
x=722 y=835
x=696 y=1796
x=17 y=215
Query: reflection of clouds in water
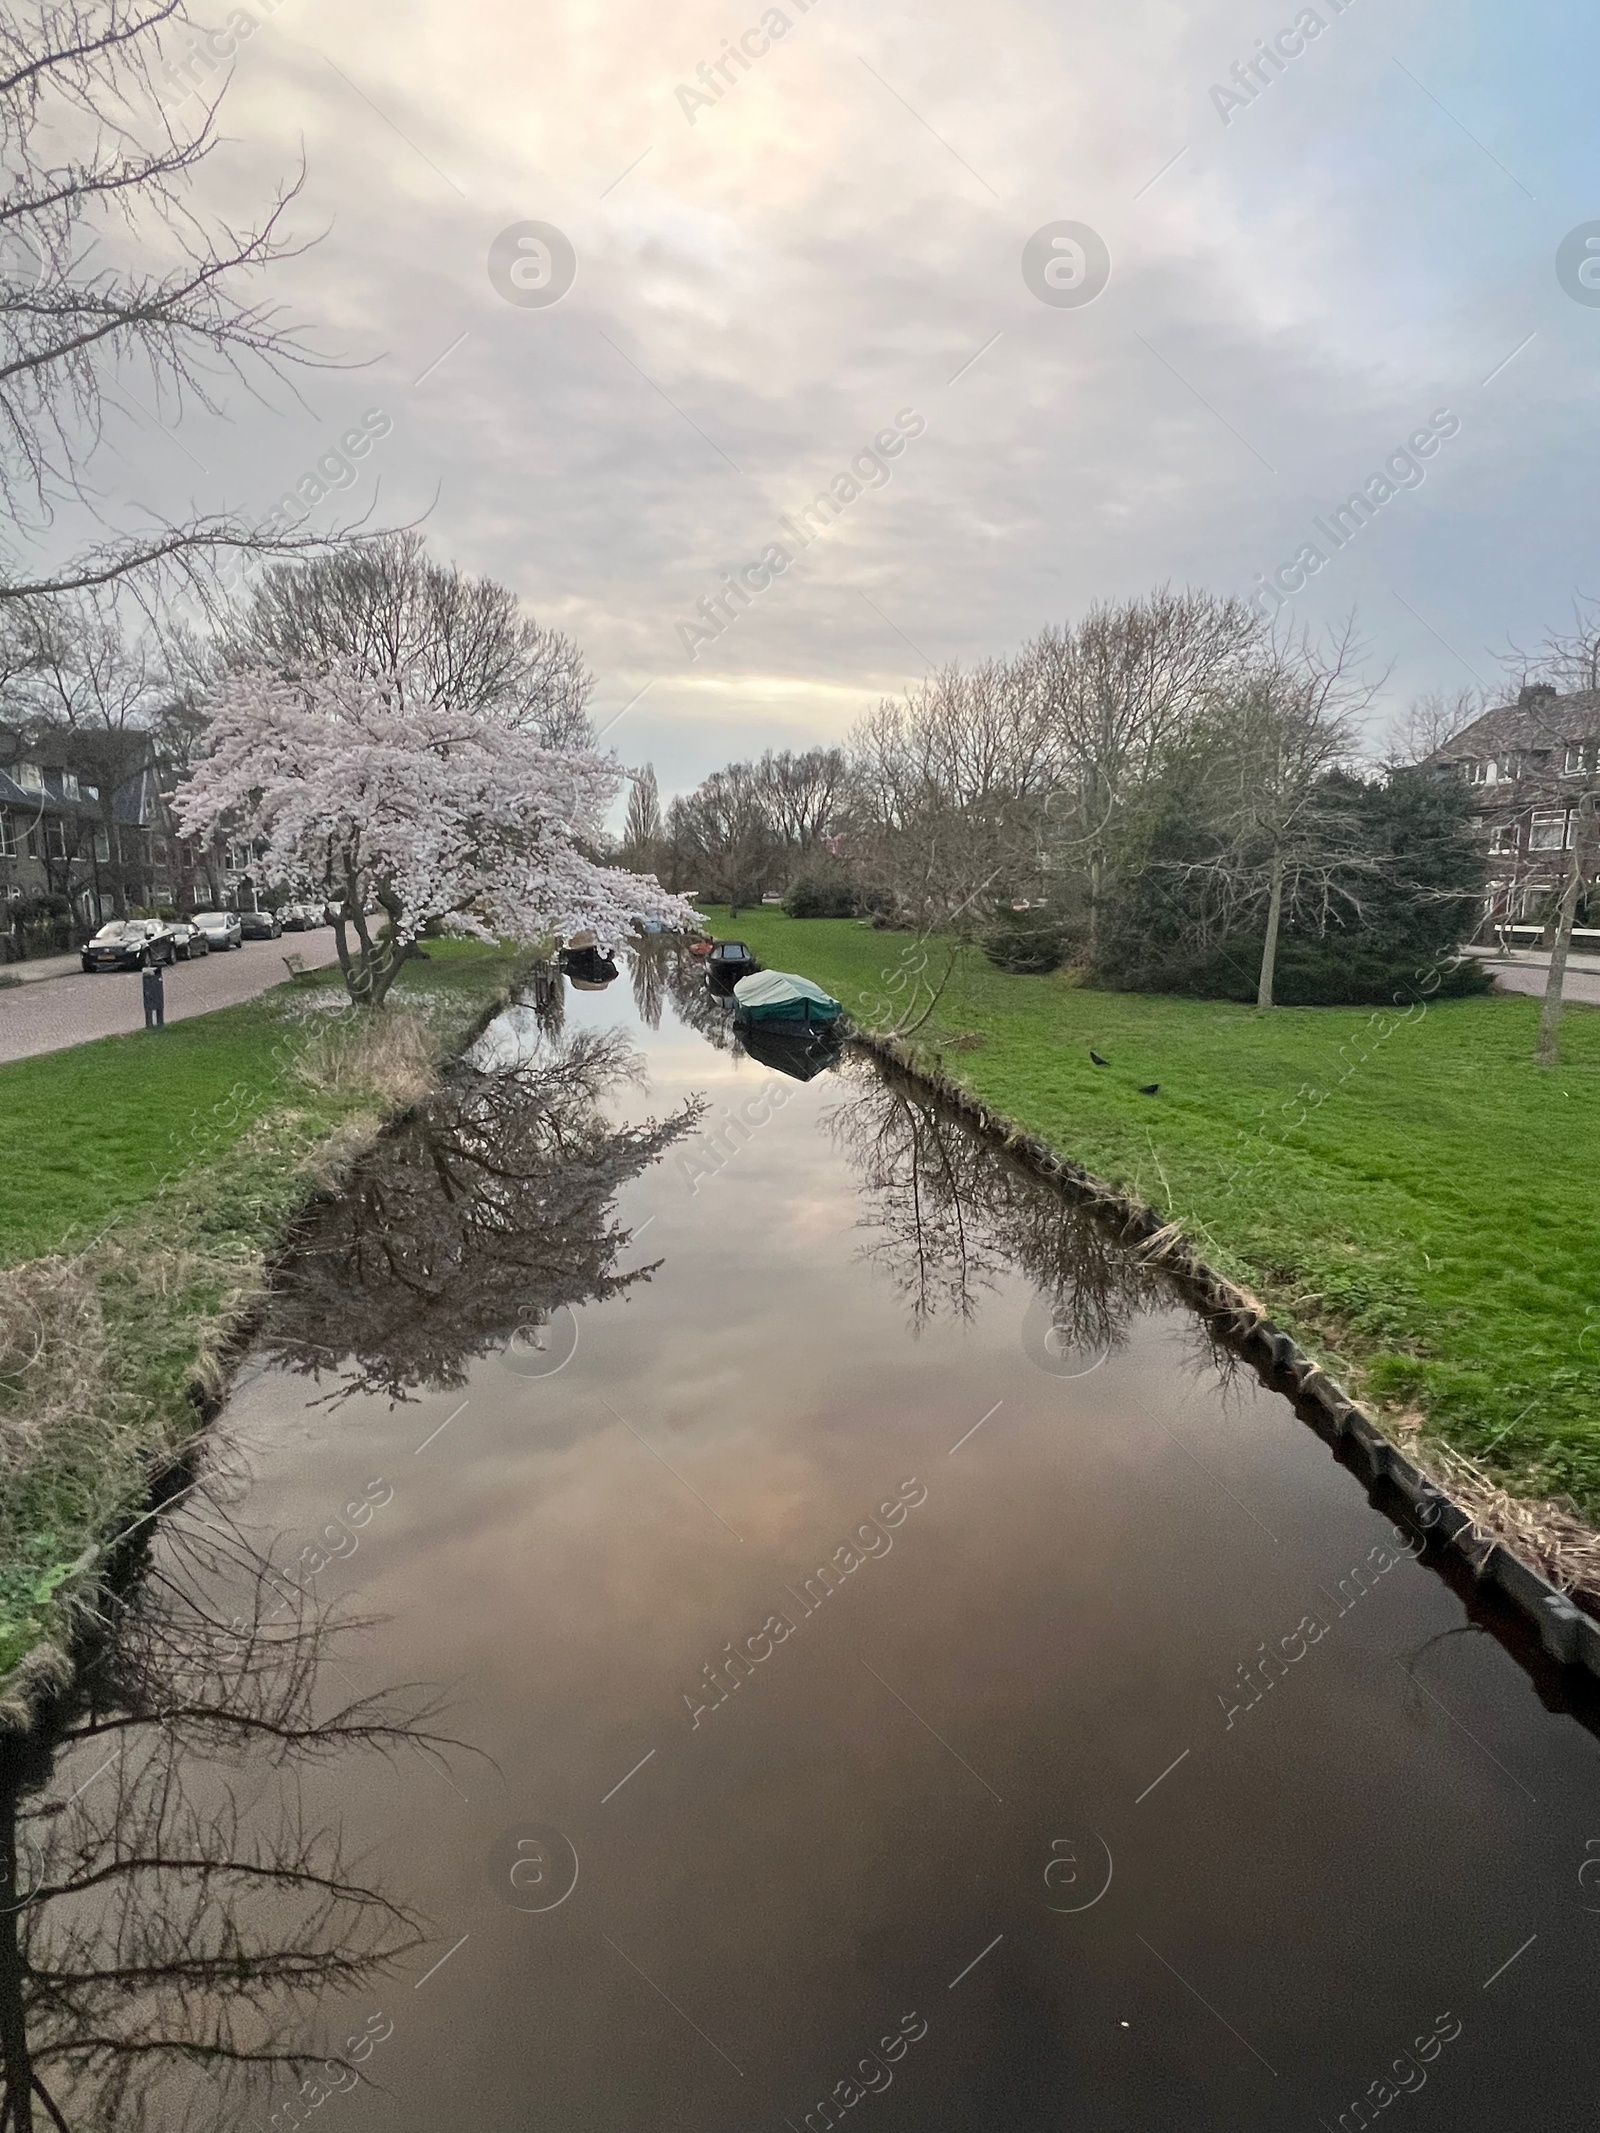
x=514 y=1038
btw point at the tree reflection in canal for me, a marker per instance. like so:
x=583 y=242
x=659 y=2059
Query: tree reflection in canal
x=485 y=1213
x=166 y=1901
x=948 y=1218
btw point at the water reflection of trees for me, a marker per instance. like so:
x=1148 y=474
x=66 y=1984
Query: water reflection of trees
x=683 y=977
x=647 y=959
x=948 y=1216
x=166 y=1901
x=486 y=1212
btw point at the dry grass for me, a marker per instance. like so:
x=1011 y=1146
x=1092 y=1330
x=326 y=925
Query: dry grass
x=1543 y=1531
x=68 y=1449
x=392 y=1057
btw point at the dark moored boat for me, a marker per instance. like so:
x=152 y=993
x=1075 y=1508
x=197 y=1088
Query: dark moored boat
x=728 y=962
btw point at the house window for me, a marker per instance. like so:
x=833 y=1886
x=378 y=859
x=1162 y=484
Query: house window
x=55 y=838
x=8 y=838
x=102 y=846
x=1549 y=833
x=1503 y=837
x=69 y=785
x=1582 y=759
x=239 y=858
x=29 y=776
x=1477 y=772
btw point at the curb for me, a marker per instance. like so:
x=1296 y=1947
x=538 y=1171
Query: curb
x=1567 y=1634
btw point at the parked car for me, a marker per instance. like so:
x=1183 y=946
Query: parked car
x=301 y=918
x=221 y=928
x=187 y=939
x=260 y=925
x=130 y=944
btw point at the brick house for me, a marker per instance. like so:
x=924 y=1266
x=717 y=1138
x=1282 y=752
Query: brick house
x=102 y=854
x=1526 y=766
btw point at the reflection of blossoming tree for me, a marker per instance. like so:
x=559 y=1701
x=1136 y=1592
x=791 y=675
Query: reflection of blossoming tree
x=488 y=1211
x=950 y=1217
x=178 y=1911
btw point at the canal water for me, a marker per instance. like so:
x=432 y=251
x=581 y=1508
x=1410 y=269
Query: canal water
x=720 y=1603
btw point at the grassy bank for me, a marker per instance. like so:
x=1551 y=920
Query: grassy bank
x=149 y=1178
x=1419 y=1207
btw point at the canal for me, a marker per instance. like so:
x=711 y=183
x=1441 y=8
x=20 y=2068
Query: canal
x=719 y=1602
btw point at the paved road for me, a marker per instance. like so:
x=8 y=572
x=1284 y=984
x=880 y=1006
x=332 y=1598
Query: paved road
x=49 y=1017
x=1579 y=984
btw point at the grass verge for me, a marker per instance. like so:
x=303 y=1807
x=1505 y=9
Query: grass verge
x=150 y=1178
x=1412 y=1198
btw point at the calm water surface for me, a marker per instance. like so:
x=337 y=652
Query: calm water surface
x=853 y=1584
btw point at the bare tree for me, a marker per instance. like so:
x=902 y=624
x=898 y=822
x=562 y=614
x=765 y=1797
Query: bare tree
x=1569 y=659
x=951 y=785
x=1585 y=852
x=1428 y=722
x=803 y=794
x=722 y=834
x=1117 y=691
x=407 y=619
x=1271 y=743
x=641 y=835
x=116 y=283
x=1567 y=662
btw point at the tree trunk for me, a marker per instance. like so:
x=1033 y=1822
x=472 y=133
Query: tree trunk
x=371 y=966
x=1269 y=952
x=1548 y=1049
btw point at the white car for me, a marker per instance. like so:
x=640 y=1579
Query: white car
x=221 y=928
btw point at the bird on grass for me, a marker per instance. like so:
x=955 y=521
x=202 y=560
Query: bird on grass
x=1095 y=1056
x=1150 y=1088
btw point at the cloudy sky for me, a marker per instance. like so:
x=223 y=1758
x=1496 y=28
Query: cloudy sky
x=766 y=279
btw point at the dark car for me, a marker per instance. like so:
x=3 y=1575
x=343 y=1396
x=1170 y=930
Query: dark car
x=130 y=944
x=260 y=925
x=301 y=918
x=187 y=939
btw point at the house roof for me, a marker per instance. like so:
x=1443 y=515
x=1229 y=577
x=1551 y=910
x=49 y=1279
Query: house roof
x=1538 y=719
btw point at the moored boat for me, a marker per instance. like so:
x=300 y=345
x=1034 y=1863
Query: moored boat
x=782 y=996
x=728 y=962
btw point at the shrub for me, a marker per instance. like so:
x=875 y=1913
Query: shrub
x=1027 y=943
x=825 y=892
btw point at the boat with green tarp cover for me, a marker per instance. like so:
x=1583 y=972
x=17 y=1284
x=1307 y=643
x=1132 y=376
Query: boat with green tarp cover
x=781 y=996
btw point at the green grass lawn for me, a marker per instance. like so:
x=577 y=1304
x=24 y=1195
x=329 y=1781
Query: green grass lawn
x=1424 y=1206
x=89 y=1134
x=148 y=1180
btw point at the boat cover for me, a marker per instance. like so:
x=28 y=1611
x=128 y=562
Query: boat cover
x=771 y=993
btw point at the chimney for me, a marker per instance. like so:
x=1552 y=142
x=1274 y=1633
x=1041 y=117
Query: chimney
x=1535 y=692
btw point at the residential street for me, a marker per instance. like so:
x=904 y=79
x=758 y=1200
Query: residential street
x=50 y=1015
x=1528 y=974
